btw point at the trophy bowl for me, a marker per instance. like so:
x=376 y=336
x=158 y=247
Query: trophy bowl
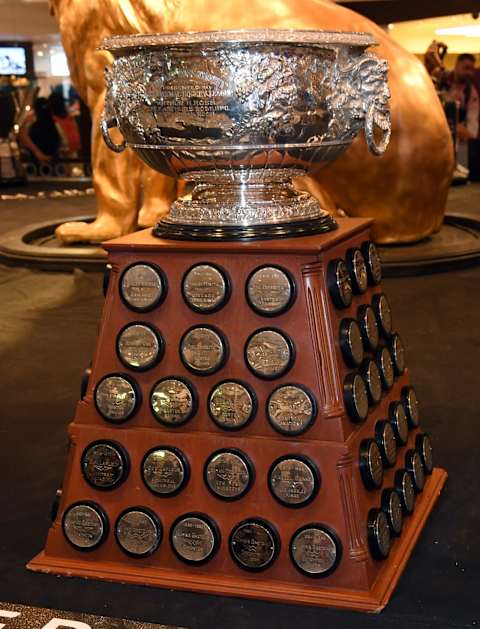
x=239 y=114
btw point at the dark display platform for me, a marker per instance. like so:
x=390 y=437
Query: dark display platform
x=48 y=334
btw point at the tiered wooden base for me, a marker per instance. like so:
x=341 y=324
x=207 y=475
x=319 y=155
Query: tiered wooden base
x=359 y=581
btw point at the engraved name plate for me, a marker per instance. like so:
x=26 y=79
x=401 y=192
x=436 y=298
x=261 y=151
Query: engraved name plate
x=374 y=265
x=314 y=551
x=203 y=350
x=339 y=283
x=138 y=532
x=104 y=464
x=85 y=525
x=231 y=405
x=291 y=409
x=205 y=288
x=293 y=481
x=164 y=471
x=139 y=346
x=194 y=539
x=358 y=270
x=254 y=544
x=173 y=401
x=228 y=474
x=116 y=398
x=270 y=290
x=269 y=353
x=142 y=287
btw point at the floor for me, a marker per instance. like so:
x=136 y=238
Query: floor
x=47 y=336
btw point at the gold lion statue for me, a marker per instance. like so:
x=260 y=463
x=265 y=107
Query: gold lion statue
x=405 y=190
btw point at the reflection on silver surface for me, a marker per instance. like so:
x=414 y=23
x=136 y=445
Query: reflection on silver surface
x=412 y=406
x=290 y=409
x=193 y=539
x=227 y=475
x=293 y=481
x=202 y=350
x=359 y=271
x=231 y=405
x=172 y=401
x=115 y=398
x=204 y=287
x=384 y=314
x=269 y=290
x=360 y=397
x=314 y=550
x=138 y=346
x=137 y=533
x=374 y=264
x=385 y=366
x=382 y=533
x=141 y=287
x=373 y=381
x=268 y=353
x=163 y=471
x=83 y=526
x=375 y=464
x=400 y=424
x=103 y=465
x=368 y=323
x=394 y=512
x=398 y=354
x=253 y=545
x=341 y=289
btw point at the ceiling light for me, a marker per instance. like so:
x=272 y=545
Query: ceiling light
x=470 y=30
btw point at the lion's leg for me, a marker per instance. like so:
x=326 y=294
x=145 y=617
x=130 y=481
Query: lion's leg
x=158 y=193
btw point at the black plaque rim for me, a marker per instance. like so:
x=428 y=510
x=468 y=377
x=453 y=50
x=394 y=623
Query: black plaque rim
x=336 y=540
x=210 y=523
x=366 y=250
x=136 y=390
x=163 y=282
x=393 y=415
x=293 y=291
x=312 y=419
x=106 y=279
x=123 y=454
x=193 y=393
x=387 y=509
x=345 y=345
x=248 y=463
x=410 y=455
x=273 y=533
x=253 y=397
x=420 y=444
x=348 y=388
x=103 y=517
x=363 y=323
x=172 y=231
x=226 y=280
x=400 y=476
x=223 y=343
x=386 y=333
x=399 y=369
x=365 y=373
x=364 y=465
x=291 y=359
x=183 y=460
x=380 y=427
x=386 y=384
x=405 y=399
x=317 y=479
x=350 y=256
x=156 y=521
x=333 y=288
x=373 y=541
x=161 y=346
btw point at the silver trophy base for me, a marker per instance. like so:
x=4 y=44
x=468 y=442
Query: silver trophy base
x=239 y=205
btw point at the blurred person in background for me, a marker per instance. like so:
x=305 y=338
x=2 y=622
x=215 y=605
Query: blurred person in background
x=66 y=126
x=39 y=133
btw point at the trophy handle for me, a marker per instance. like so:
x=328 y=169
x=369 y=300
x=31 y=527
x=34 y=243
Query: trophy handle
x=105 y=125
x=382 y=120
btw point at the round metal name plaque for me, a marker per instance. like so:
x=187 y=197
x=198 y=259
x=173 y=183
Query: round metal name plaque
x=138 y=532
x=424 y=447
x=315 y=550
x=85 y=525
x=414 y=465
x=358 y=271
x=406 y=490
x=291 y=409
x=374 y=265
x=371 y=375
x=269 y=353
x=385 y=367
x=143 y=287
x=254 y=544
x=173 y=401
x=339 y=283
x=205 y=288
x=194 y=538
x=228 y=474
x=387 y=443
x=356 y=397
x=294 y=481
x=270 y=290
x=398 y=419
x=397 y=351
x=104 y=464
x=139 y=346
x=351 y=342
x=232 y=405
x=378 y=532
x=410 y=402
x=203 y=350
x=371 y=466
x=116 y=398
x=369 y=327
x=165 y=471
x=384 y=314
x=392 y=507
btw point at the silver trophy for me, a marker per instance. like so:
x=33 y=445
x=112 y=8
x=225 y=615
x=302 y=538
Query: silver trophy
x=239 y=114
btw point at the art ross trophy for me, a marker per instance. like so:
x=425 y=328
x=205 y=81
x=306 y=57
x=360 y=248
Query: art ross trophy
x=249 y=428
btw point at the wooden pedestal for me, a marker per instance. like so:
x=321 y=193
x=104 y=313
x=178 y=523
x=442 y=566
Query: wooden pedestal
x=359 y=582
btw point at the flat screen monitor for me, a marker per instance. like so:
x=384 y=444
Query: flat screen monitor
x=15 y=59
